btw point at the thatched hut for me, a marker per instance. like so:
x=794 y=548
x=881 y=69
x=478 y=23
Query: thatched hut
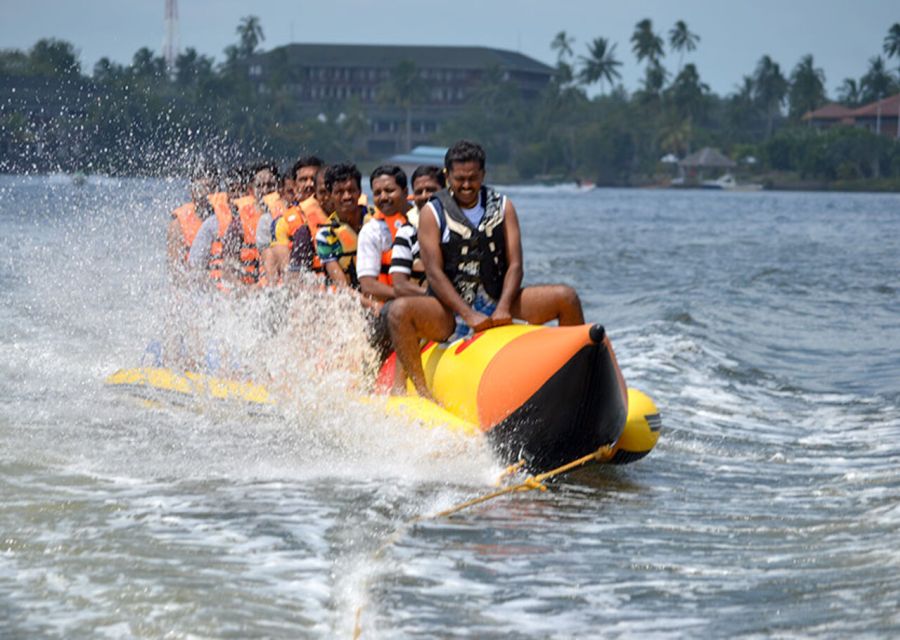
x=706 y=163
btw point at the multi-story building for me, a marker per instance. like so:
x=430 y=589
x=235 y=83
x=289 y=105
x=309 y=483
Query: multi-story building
x=323 y=78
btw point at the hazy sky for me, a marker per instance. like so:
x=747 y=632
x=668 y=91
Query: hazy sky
x=841 y=34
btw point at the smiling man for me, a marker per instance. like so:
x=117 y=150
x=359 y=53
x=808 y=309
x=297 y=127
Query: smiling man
x=373 y=258
x=472 y=251
x=336 y=240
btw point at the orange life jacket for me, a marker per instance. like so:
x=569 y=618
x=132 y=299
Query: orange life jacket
x=275 y=204
x=393 y=222
x=243 y=201
x=190 y=224
x=294 y=219
x=249 y=255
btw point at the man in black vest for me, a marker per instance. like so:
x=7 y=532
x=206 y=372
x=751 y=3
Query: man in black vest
x=472 y=252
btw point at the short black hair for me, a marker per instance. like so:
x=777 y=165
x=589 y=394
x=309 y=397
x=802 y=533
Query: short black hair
x=306 y=161
x=392 y=170
x=464 y=151
x=204 y=172
x=430 y=171
x=237 y=178
x=271 y=166
x=341 y=172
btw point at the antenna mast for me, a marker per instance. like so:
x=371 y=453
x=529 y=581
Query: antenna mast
x=170 y=46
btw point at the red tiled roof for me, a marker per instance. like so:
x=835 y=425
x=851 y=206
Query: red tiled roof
x=889 y=106
x=831 y=111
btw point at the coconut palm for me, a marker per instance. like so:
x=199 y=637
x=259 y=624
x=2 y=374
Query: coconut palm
x=601 y=65
x=770 y=89
x=681 y=40
x=877 y=83
x=250 y=34
x=562 y=44
x=645 y=43
x=807 y=90
x=689 y=94
x=892 y=41
x=849 y=93
x=655 y=77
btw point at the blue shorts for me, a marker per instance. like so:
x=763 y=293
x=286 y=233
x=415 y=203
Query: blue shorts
x=482 y=304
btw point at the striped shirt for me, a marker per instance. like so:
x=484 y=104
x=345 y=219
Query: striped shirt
x=405 y=252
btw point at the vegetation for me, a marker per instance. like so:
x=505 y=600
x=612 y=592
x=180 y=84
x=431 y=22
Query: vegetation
x=144 y=118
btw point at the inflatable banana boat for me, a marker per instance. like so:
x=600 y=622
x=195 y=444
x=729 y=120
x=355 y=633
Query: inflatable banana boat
x=545 y=395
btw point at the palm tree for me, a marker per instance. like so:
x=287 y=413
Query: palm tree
x=689 y=94
x=892 y=41
x=645 y=43
x=770 y=89
x=681 y=40
x=877 y=83
x=600 y=65
x=405 y=89
x=654 y=80
x=807 y=90
x=562 y=44
x=849 y=93
x=250 y=34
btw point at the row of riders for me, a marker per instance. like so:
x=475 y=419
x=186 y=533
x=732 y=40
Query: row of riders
x=436 y=264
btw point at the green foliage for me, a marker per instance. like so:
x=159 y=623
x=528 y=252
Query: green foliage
x=807 y=90
x=840 y=153
x=142 y=118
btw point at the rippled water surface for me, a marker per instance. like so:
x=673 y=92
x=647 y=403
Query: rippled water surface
x=765 y=325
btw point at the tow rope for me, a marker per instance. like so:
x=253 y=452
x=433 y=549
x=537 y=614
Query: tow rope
x=531 y=483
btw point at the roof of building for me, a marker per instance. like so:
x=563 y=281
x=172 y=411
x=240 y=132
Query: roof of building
x=830 y=111
x=887 y=106
x=421 y=155
x=389 y=56
x=707 y=157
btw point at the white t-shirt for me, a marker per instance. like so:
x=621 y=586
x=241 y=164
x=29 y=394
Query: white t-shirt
x=374 y=239
x=198 y=257
x=475 y=214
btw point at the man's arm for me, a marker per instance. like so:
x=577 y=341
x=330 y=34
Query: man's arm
x=512 y=281
x=402 y=261
x=405 y=286
x=329 y=251
x=198 y=258
x=430 y=247
x=175 y=251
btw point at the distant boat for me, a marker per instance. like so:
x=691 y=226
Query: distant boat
x=79 y=179
x=727 y=182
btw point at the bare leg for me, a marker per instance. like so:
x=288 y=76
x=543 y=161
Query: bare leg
x=543 y=303
x=399 y=386
x=410 y=319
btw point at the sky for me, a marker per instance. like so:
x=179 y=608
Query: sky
x=842 y=35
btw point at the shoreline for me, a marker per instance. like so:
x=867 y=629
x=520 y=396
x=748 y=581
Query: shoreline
x=769 y=183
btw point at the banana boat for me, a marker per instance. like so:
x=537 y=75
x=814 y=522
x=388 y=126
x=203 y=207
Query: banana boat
x=545 y=395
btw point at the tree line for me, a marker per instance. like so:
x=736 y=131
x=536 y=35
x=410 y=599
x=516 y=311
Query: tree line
x=145 y=118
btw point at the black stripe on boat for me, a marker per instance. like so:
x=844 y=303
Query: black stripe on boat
x=579 y=409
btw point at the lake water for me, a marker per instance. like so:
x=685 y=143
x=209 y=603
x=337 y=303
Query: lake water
x=766 y=326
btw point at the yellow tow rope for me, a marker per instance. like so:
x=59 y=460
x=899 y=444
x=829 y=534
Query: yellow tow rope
x=528 y=484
